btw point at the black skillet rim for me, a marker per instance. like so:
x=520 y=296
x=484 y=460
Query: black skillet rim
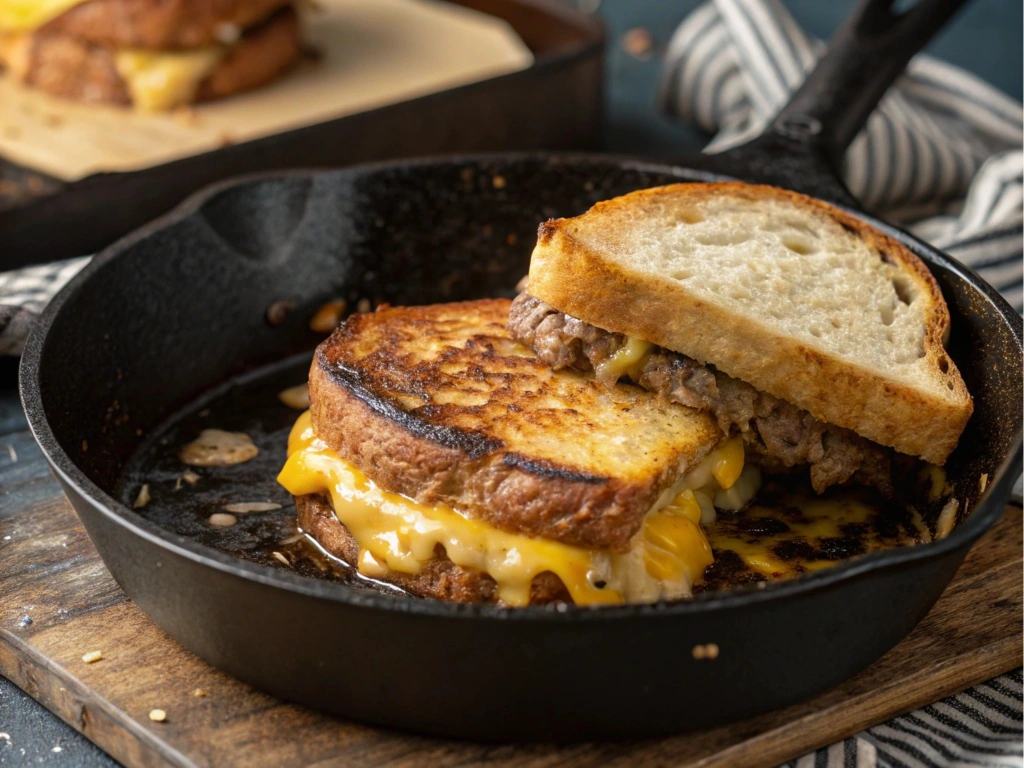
x=985 y=513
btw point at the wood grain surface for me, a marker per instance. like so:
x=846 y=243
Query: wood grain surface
x=58 y=602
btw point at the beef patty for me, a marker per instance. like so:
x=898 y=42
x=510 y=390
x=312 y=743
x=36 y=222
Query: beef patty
x=780 y=433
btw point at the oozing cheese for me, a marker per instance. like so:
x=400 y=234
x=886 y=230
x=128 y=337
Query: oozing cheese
x=627 y=359
x=393 y=532
x=160 y=81
x=29 y=15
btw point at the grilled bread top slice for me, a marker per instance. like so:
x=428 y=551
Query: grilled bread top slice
x=151 y=24
x=439 y=404
x=785 y=292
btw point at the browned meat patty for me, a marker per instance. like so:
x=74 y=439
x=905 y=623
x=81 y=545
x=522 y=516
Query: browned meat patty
x=440 y=578
x=161 y=24
x=782 y=434
x=74 y=69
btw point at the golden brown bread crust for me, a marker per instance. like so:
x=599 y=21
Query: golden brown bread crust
x=440 y=578
x=585 y=284
x=160 y=24
x=388 y=402
x=70 y=68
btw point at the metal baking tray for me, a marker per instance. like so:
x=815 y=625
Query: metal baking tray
x=554 y=104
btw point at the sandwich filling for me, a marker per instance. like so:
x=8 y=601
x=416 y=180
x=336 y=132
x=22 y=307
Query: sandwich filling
x=779 y=432
x=394 y=533
x=161 y=80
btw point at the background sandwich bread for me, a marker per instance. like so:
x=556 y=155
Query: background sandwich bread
x=167 y=24
x=795 y=298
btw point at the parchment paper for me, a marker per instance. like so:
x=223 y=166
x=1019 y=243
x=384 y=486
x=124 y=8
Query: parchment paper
x=374 y=52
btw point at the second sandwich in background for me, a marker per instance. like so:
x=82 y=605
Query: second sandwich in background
x=149 y=54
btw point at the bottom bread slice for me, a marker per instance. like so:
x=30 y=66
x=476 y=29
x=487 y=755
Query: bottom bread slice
x=440 y=578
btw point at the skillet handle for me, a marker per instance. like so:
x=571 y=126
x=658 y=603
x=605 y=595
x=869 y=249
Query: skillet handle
x=803 y=147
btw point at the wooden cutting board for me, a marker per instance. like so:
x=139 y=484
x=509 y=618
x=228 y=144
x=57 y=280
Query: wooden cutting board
x=58 y=602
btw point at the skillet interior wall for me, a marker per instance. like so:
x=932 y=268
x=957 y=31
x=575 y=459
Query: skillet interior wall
x=174 y=313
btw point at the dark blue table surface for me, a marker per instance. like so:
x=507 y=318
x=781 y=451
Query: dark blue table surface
x=985 y=38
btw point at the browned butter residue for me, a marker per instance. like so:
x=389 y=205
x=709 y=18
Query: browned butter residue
x=789 y=532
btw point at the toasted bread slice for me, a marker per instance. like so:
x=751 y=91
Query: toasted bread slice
x=787 y=293
x=72 y=68
x=153 y=24
x=439 y=578
x=438 y=404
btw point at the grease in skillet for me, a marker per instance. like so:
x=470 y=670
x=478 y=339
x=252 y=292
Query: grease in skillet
x=790 y=530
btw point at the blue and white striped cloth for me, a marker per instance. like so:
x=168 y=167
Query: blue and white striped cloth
x=979 y=727
x=940 y=156
x=24 y=293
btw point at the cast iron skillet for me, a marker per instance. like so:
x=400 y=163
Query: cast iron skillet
x=179 y=306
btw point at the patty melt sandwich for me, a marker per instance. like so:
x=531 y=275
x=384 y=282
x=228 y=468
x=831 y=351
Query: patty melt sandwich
x=442 y=457
x=814 y=337
x=152 y=54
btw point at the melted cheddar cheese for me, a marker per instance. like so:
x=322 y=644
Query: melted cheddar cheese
x=628 y=360
x=396 y=533
x=160 y=81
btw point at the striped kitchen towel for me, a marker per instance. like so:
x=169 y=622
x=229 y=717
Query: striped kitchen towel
x=979 y=727
x=23 y=295
x=940 y=156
